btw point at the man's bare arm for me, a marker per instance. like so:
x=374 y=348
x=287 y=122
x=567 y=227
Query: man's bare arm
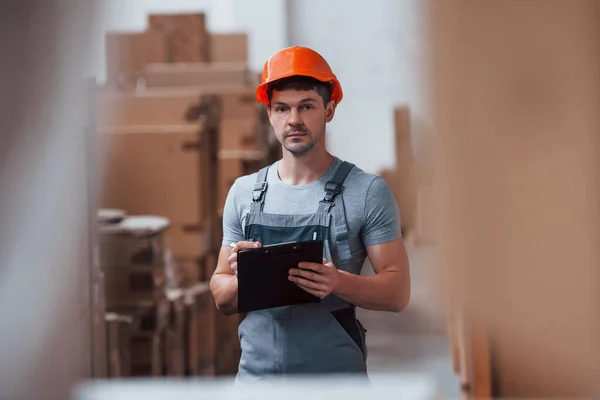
x=224 y=284
x=388 y=289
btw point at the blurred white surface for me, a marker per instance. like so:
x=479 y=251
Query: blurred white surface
x=397 y=386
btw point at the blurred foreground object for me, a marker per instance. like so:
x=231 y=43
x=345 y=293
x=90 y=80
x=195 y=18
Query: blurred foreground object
x=518 y=132
x=406 y=386
x=412 y=179
x=51 y=334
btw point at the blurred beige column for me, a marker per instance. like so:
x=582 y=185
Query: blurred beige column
x=45 y=208
x=517 y=121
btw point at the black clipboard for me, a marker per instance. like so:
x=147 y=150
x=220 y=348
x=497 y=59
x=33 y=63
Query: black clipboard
x=263 y=275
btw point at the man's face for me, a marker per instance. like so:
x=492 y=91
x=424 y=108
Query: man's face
x=298 y=118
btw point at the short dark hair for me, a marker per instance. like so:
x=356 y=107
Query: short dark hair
x=299 y=82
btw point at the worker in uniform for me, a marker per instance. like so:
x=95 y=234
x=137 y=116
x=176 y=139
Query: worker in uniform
x=310 y=194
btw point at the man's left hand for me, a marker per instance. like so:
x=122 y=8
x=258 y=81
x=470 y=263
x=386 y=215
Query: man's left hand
x=317 y=279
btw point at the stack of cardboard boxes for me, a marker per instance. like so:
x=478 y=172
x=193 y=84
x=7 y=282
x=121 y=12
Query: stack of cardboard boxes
x=158 y=158
x=178 y=123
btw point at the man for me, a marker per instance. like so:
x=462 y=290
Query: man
x=311 y=195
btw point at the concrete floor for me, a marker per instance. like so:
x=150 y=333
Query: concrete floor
x=413 y=341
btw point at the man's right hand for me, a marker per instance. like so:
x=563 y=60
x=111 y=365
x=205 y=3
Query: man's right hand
x=236 y=247
x=224 y=283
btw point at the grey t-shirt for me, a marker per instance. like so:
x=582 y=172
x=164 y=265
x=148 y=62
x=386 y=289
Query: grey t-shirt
x=371 y=210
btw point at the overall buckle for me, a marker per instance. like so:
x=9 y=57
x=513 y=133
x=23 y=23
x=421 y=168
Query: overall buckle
x=259 y=189
x=331 y=189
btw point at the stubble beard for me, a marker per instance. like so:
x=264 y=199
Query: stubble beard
x=300 y=151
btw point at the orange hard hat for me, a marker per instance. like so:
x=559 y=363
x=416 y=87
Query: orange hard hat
x=297 y=60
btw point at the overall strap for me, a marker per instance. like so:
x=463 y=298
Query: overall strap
x=332 y=189
x=260 y=188
x=335 y=186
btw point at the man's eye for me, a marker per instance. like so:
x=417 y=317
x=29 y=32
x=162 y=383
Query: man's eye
x=308 y=107
x=280 y=109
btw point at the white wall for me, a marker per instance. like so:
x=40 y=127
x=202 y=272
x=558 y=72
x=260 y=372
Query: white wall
x=359 y=39
x=265 y=22
x=374 y=47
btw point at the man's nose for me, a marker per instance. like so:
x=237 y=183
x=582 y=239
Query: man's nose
x=294 y=118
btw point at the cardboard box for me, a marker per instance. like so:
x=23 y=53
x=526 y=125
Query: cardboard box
x=188 y=240
x=196 y=74
x=240 y=134
x=175 y=106
x=237 y=103
x=228 y=47
x=229 y=170
x=234 y=164
x=144 y=109
x=156 y=172
x=185 y=35
x=127 y=55
x=166 y=172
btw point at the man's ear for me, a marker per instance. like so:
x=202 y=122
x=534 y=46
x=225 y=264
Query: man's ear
x=330 y=111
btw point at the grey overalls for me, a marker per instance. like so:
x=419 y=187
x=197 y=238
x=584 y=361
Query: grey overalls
x=313 y=338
